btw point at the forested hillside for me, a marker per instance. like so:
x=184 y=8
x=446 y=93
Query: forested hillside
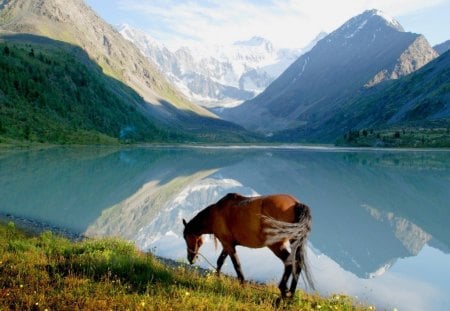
x=125 y=97
x=52 y=92
x=413 y=111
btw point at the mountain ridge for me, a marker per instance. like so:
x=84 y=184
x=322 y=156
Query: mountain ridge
x=419 y=100
x=75 y=23
x=364 y=51
x=217 y=76
x=443 y=47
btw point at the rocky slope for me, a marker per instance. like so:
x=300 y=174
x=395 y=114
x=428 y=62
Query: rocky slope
x=414 y=57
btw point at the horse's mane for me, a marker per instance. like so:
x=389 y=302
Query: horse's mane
x=231 y=196
x=199 y=223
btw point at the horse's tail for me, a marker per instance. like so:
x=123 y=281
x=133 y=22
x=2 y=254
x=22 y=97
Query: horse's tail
x=297 y=233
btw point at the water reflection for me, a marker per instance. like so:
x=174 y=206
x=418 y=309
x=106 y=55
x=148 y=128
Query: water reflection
x=374 y=212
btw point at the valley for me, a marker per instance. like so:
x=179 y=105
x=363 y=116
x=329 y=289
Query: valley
x=120 y=120
x=367 y=75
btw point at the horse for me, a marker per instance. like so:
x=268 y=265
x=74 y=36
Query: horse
x=273 y=221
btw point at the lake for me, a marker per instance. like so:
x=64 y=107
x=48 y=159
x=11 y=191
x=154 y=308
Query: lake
x=381 y=218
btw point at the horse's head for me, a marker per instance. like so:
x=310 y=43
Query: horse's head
x=193 y=243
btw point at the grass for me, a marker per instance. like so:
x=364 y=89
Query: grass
x=48 y=272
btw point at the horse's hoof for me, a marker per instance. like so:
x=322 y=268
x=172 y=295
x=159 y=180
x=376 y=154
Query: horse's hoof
x=286 y=294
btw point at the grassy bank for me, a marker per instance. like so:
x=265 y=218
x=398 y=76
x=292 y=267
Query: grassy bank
x=47 y=272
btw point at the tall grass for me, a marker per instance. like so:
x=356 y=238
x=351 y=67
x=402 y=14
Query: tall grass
x=47 y=272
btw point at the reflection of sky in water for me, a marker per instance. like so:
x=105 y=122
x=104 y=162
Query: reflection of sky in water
x=412 y=283
x=405 y=286
x=380 y=219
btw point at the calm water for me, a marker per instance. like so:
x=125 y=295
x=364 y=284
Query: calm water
x=381 y=220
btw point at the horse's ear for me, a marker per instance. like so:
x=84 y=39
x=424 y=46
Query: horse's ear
x=184 y=222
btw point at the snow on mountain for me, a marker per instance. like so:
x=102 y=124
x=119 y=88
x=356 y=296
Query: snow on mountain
x=370 y=20
x=217 y=76
x=389 y=19
x=366 y=50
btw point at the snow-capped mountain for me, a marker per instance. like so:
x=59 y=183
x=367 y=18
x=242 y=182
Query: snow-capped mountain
x=366 y=50
x=217 y=76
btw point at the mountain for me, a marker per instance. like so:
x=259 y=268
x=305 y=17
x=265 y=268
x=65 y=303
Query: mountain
x=414 y=110
x=365 y=51
x=442 y=47
x=52 y=92
x=217 y=76
x=75 y=23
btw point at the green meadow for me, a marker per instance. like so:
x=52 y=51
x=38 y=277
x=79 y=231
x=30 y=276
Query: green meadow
x=48 y=272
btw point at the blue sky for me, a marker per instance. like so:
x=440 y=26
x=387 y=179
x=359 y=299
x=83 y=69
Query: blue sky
x=287 y=23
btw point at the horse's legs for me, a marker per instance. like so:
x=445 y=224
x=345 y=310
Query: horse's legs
x=237 y=265
x=221 y=260
x=230 y=249
x=281 y=252
x=297 y=270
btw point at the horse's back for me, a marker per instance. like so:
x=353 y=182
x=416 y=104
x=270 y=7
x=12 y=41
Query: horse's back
x=280 y=207
x=242 y=216
x=279 y=201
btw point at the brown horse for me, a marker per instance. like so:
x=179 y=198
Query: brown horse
x=255 y=222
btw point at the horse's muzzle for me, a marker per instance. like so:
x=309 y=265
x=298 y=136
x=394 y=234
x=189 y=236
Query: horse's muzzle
x=192 y=260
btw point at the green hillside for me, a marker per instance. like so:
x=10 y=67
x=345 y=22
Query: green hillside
x=47 y=272
x=74 y=22
x=53 y=93
x=413 y=111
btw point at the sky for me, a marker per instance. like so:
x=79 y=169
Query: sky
x=286 y=23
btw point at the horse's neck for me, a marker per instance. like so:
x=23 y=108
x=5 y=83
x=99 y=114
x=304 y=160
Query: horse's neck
x=202 y=223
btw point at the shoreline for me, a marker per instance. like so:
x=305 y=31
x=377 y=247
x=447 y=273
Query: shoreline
x=36 y=227
x=220 y=145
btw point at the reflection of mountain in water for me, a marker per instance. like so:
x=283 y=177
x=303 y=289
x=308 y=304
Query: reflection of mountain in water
x=369 y=208
x=67 y=187
x=338 y=185
x=70 y=187
x=189 y=201
x=411 y=236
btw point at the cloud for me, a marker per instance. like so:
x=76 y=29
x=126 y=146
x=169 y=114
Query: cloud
x=287 y=23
